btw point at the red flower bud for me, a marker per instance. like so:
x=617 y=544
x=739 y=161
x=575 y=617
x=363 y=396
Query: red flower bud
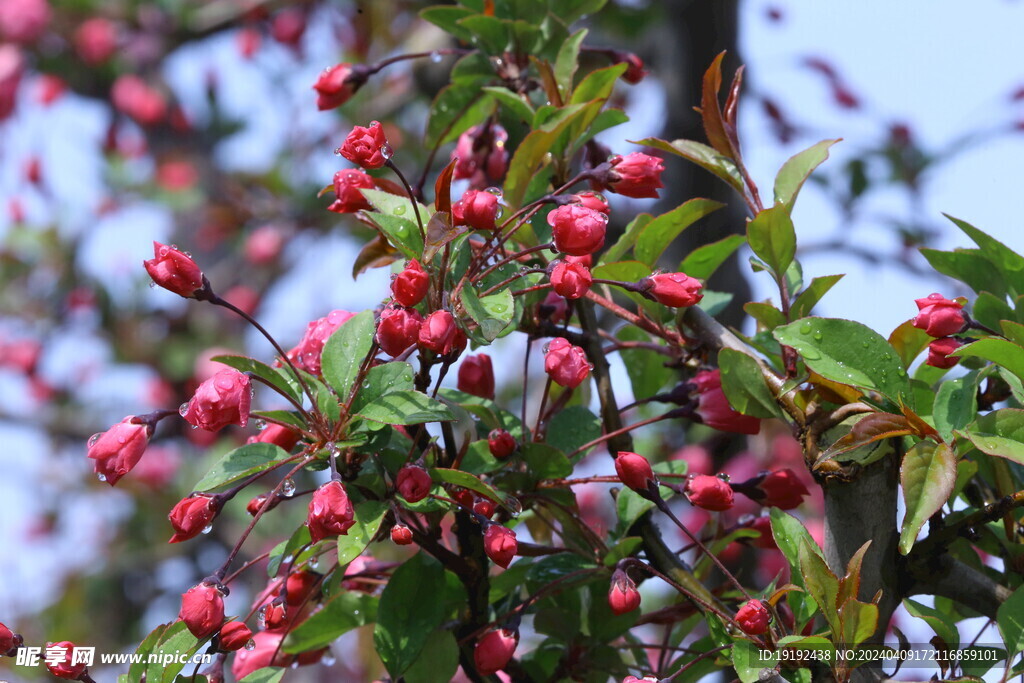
x=299 y=586
x=634 y=471
x=710 y=493
x=330 y=512
x=566 y=364
x=411 y=285
x=753 y=618
x=191 y=515
x=939 y=350
x=134 y=97
x=335 y=86
x=202 y=610
x=288 y=25
x=234 y=635
x=23 y=21
x=494 y=650
x=256 y=503
x=95 y=40
x=306 y=354
x=249 y=40
x=484 y=508
x=398 y=329
x=501 y=443
x=12 y=68
x=367 y=147
x=464 y=497
x=675 y=289
x=500 y=544
x=623 y=596
x=413 y=483
x=7 y=640
x=763 y=525
x=62 y=667
x=781 y=489
x=645 y=679
x=279 y=435
x=554 y=308
x=635 y=72
x=939 y=316
x=476 y=376
x=571 y=280
x=636 y=175
x=593 y=200
x=713 y=407
x=401 y=534
x=481 y=156
x=174 y=271
x=577 y=230
x=119 y=449
x=478 y=209
x=274 y=615
x=263 y=245
x=222 y=400
x=347 y=185
x=439 y=333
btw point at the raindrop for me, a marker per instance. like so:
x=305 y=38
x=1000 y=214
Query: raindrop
x=328 y=660
x=295 y=664
x=514 y=507
x=399 y=210
x=152 y=285
x=182 y=409
x=121 y=439
x=250 y=645
x=208 y=528
x=261 y=425
x=93 y=439
x=333 y=449
x=101 y=476
x=313 y=562
x=386 y=151
x=805 y=328
x=723 y=476
x=865 y=344
x=495 y=191
x=337 y=151
x=366 y=384
x=818 y=336
x=288 y=488
x=435 y=57
x=288 y=559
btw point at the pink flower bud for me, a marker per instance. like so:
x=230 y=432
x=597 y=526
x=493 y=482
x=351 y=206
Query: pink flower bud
x=634 y=471
x=484 y=508
x=330 y=512
x=500 y=544
x=191 y=515
x=299 y=586
x=220 y=401
x=62 y=667
x=554 y=308
x=401 y=534
x=335 y=86
x=264 y=245
x=781 y=489
x=398 y=329
x=249 y=40
x=306 y=354
x=134 y=97
x=476 y=376
x=636 y=175
x=593 y=200
x=481 y=154
x=939 y=350
x=645 y=679
x=12 y=67
x=279 y=435
x=275 y=615
x=623 y=596
x=7 y=640
x=675 y=289
x=202 y=610
x=753 y=618
x=713 y=407
x=234 y=635
x=119 y=449
x=22 y=21
x=478 y=209
x=577 y=230
x=410 y=286
x=288 y=26
x=763 y=525
x=635 y=71
x=95 y=40
x=501 y=443
x=413 y=483
x=439 y=332
x=494 y=650
x=571 y=280
x=49 y=89
x=366 y=147
x=254 y=505
x=174 y=270
x=566 y=364
x=939 y=316
x=709 y=493
x=348 y=184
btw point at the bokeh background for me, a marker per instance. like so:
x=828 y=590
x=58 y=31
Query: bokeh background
x=217 y=146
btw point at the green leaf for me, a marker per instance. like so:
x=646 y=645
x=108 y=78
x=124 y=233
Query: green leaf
x=545 y=462
x=646 y=368
x=909 y=342
x=943 y=624
x=767 y=315
x=1008 y=262
x=859 y=621
x=627 y=240
x=999 y=351
x=703 y=261
x=927 y=476
x=345 y=611
x=268 y=674
x=473 y=483
x=1010 y=618
x=989 y=310
x=571 y=11
x=797 y=169
x=493 y=313
x=568 y=61
x=748 y=661
x=849 y=353
x=138 y=668
x=969 y=266
x=381 y=380
x=1012 y=331
x=438 y=660
x=298 y=540
x=406 y=408
x=743 y=384
x=409 y=612
x=772 y=238
x=956 y=404
x=240 y=463
x=282 y=379
x=572 y=427
x=820 y=582
x=401 y=232
x=368 y=515
x=447 y=18
x=656 y=236
x=489 y=33
x=1000 y=433
x=598 y=84
x=345 y=351
x=513 y=102
x=810 y=297
x=176 y=643
x=704 y=156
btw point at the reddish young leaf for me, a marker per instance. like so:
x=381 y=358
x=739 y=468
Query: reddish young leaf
x=443 y=188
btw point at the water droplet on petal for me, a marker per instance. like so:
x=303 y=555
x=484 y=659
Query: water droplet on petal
x=250 y=645
x=723 y=476
x=93 y=439
x=337 y=151
x=182 y=409
x=386 y=151
x=514 y=507
x=261 y=425
x=208 y=528
x=288 y=488
x=101 y=476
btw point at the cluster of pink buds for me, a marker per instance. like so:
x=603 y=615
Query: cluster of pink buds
x=941 y=318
